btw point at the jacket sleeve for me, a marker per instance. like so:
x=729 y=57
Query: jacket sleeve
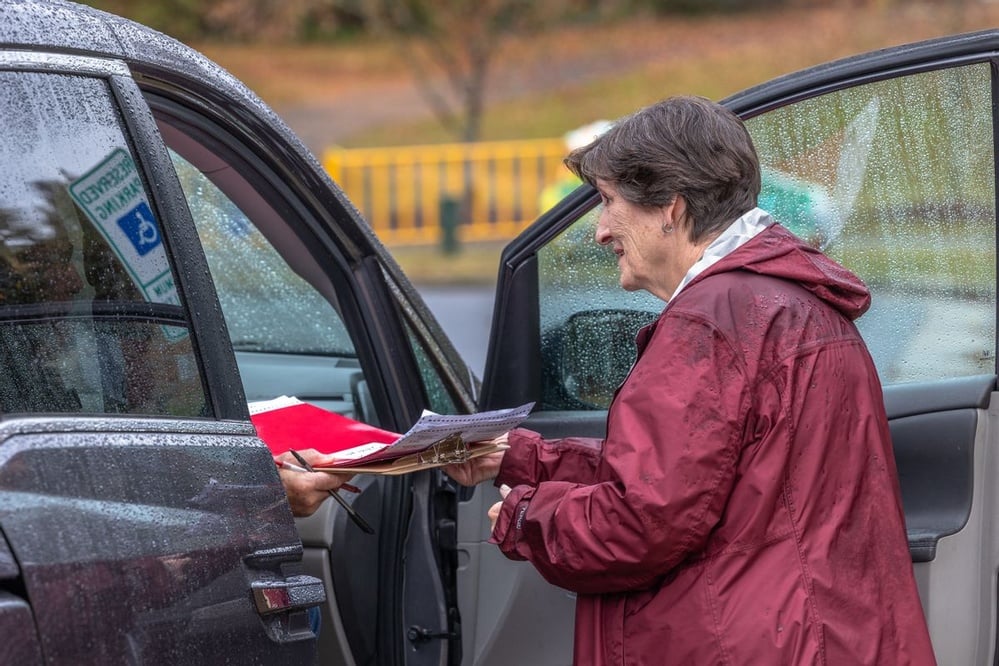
x=532 y=459
x=674 y=435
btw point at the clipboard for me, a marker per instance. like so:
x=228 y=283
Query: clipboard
x=448 y=451
x=435 y=440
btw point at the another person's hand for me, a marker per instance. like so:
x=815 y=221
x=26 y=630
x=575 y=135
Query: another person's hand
x=476 y=470
x=494 y=510
x=308 y=490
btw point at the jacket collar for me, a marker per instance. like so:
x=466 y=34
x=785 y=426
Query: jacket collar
x=735 y=235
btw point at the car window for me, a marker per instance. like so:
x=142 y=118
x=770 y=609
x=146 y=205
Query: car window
x=895 y=179
x=266 y=305
x=288 y=337
x=438 y=397
x=90 y=317
x=281 y=307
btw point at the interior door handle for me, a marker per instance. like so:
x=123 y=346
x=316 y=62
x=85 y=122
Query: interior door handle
x=292 y=593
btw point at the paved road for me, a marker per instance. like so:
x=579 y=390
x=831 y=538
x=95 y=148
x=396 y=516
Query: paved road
x=466 y=315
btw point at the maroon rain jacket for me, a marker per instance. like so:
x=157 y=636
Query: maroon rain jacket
x=744 y=507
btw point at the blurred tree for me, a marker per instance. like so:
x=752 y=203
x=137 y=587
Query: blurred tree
x=710 y=6
x=179 y=18
x=449 y=47
x=286 y=20
x=242 y=20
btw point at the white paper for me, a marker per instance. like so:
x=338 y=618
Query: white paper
x=432 y=428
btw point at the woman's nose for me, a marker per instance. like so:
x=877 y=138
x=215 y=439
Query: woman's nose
x=601 y=235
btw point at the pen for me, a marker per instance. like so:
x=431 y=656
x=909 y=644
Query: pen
x=354 y=515
x=284 y=464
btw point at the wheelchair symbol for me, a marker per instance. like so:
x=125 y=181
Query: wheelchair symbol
x=140 y=228
x=148 y=235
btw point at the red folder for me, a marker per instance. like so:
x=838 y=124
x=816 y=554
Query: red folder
x=288 y=423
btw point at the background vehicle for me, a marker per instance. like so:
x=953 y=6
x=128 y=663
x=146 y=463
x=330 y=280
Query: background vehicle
x=140 y=519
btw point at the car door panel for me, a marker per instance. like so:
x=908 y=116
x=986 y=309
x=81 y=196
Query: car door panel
x=934 y=455
x=943 y=435
x=937 y=434
x=511 y=597
x=351 y=609
x=16 y=620
x=166 y=529
x=954 y=585
x=935 y=428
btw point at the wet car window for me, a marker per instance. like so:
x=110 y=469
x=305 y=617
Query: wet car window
x=281 y=326
x=267 y=306
x=90 y=317
x=896 y=180
x=288 y=336
x=439 y=398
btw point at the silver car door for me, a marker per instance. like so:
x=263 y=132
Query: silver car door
x=887 y=161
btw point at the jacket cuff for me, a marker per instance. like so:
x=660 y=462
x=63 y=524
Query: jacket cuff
x=520 y=460
x=509 y=526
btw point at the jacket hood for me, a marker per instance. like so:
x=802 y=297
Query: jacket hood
x=777 y=252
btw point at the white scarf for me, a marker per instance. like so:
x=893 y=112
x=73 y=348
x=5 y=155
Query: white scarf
x=738 y=233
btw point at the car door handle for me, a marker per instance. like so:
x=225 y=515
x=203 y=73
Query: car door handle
x=292 y=593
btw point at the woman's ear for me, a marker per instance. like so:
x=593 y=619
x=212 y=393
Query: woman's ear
x=675 y=211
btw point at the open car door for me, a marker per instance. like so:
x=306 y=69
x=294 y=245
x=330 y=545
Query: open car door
x=163 y=501
x=887 y=162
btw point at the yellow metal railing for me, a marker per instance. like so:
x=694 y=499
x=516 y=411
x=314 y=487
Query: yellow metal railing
x=402 y=190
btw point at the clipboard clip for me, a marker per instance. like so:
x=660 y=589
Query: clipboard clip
x=451 y=449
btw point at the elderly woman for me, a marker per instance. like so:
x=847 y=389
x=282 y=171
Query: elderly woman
x=744 y=506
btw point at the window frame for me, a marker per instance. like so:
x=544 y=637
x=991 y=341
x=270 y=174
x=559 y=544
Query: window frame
x=367 y=312
x=372 y=308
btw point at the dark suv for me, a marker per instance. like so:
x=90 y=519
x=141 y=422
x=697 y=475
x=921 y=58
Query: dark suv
x=169 y=251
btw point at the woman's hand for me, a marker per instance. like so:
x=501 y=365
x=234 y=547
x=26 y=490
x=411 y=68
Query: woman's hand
x=476 y=470
x=494 y=510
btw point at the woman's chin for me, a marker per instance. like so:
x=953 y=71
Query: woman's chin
x=628 y=284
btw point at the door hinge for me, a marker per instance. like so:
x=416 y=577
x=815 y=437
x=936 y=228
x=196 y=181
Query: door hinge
x=418 y=635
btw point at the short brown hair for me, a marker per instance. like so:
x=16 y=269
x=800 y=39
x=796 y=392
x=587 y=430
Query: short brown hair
x=681 y=145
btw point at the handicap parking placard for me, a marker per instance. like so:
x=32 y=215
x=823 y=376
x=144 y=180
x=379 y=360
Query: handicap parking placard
x=112 y=196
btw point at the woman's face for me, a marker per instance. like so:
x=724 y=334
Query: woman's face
x=645 y=253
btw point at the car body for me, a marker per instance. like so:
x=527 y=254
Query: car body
x=214 y=263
